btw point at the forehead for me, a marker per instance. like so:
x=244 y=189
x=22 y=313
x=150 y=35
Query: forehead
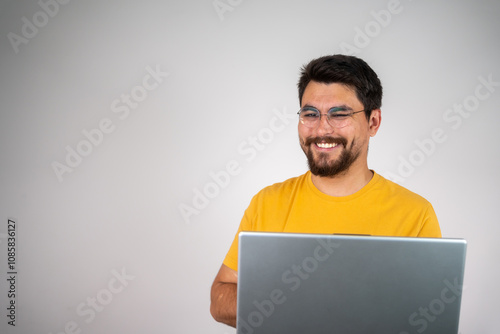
x=322 y=95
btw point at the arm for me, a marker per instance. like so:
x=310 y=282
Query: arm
x=223 y=296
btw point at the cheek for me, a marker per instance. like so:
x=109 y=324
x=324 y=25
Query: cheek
x=303 y=132
x=359 y=138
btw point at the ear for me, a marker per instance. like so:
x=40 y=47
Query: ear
x=374 y=122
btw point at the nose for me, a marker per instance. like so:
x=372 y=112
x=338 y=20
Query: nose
x=324 y=127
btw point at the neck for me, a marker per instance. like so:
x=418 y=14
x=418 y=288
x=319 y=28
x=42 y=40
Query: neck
x=344 y=184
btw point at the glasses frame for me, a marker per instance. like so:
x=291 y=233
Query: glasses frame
x=329 y=116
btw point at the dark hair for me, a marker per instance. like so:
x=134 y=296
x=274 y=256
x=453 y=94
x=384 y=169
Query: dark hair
x=348 y=70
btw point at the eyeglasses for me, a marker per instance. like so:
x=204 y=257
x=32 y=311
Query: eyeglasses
x=337 y=117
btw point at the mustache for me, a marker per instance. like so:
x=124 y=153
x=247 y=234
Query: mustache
x=329 y=140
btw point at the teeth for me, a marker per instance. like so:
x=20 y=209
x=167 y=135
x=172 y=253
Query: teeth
x=326 y=145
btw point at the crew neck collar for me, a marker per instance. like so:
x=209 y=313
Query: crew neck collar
x=375 y=178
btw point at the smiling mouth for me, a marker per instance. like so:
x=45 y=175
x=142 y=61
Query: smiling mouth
x=326 y=145
x=325 y=142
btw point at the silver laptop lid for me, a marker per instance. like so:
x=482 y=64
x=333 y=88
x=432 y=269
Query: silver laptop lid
x=313 y=283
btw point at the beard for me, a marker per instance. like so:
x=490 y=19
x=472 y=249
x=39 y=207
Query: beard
x=321 y=166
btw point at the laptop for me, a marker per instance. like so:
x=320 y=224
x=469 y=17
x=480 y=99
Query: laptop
x=316 y=283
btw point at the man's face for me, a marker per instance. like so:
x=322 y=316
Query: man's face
x=330 y=150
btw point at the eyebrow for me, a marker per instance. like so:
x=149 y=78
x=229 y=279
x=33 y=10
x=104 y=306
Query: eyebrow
x=341 y=107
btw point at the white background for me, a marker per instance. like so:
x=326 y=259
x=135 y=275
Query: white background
x=229 y=73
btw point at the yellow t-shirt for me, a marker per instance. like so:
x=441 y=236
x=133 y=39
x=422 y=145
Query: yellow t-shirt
x=382 y=208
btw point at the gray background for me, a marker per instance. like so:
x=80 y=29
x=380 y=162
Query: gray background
x=229 y=73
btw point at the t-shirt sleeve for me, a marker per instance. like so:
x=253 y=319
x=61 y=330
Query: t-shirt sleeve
x=430 y=225
x=231 y=259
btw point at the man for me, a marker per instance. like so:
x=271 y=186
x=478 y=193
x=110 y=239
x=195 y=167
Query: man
x=340 y=98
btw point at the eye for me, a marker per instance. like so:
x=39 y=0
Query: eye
x=339 y=115
x=310 y=114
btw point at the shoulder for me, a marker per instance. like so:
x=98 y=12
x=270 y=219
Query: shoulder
x=395 y=190
x=270 y=206
x=280 y=192
x=413 y=208
x=286 y=187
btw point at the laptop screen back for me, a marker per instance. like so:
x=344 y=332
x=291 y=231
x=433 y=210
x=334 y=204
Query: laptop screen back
x=313 y=283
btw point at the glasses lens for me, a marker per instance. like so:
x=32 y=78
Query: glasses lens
x=339 y=119
x=309 y=117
